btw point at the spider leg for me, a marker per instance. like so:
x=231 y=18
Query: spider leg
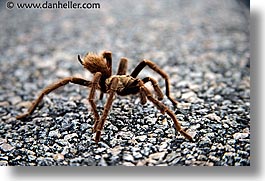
x=154 y=67
x=91 y=97
x=155 y=85
x=164 y=109
x=108 y=56
x=122 y=66
x=99 y=125
x=51 y=88
x=143 y=96
x=101 y=95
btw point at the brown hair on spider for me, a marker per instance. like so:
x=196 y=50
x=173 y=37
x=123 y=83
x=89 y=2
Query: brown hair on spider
x=95 y=63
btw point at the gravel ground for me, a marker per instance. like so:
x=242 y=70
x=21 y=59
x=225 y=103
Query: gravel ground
x=202 y=45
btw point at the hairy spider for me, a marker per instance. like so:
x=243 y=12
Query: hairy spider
x=121 y=84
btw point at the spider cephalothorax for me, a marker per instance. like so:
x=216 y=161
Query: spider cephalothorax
x=120 y=84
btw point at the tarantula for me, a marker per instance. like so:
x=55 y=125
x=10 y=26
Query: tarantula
x=121 y=84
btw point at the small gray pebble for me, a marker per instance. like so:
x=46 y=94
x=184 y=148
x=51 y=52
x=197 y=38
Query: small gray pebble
x=128 y=158
x=5 y=147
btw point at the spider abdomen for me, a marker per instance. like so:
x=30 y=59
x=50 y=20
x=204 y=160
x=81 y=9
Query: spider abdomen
x=95 y=63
